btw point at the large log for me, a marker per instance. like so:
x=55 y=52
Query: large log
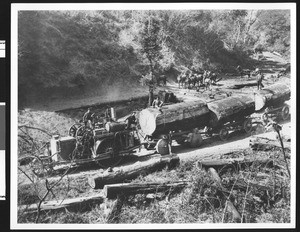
x=265 y=144
x=237 y=164
x=273 y=95
x=179 y=116
x=78 y=203
x=229 y=205
x=243 y=84
x=113 y=190
x=230 y=108
x=133 y=171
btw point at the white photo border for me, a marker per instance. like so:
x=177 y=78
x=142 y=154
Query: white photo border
x=15 y=7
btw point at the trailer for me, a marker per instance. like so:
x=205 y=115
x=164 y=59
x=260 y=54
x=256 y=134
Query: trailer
x=231 y=113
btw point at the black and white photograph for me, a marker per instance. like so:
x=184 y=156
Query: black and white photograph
x=153 y=115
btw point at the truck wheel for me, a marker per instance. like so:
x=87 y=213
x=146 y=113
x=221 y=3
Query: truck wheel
x=162 y=147
x=224 y=133
x=107 y=146
x=41 y=166
x=196 y=140
x=73 y=129
x=247 y=125
x=84 y=134
x=285 y=112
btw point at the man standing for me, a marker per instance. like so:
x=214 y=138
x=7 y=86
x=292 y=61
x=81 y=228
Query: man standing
x=259 y=78
x=157 y=103
x=131 y=121
x=87 y=118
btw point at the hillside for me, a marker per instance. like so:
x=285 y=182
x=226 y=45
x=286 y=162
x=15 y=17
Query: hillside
x=84 y=54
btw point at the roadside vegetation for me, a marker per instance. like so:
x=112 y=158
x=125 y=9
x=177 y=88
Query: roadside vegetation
x=260 y=192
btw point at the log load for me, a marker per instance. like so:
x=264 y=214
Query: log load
x=133 y=171
x=274 y=95
x=230 y=108
x=179 y=116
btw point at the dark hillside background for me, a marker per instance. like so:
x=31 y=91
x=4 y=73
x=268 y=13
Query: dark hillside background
x=68 y=53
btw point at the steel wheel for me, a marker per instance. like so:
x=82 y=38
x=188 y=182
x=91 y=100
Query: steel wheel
x=162 y=147
x=247 y=125
x=223 y=134
x=84 y=134
x=285 y=112
x=73 y=129
x=196 y=140
x=107 y=147
x=41 y=166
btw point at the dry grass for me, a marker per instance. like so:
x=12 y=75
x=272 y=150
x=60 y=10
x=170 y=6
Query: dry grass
x=200 y=202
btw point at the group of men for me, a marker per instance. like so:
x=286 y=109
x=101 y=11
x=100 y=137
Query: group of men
x=88 y=119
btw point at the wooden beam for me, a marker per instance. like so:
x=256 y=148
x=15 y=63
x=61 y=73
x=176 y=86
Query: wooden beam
x=65 y=203
x=113 y=190
x=130 y=172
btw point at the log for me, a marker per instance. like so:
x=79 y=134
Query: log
x=243 y=84
x=229 y=205
x=235 y=163
x=273 y=95
x=113 y=190
x=179 y=116
x=78 y=203
x=230 y=107
x=265 y=144
x=133 y=171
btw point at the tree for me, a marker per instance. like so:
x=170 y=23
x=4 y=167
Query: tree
x=151 y=48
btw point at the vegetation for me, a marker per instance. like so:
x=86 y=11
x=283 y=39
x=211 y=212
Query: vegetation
x=72 y=52
x=260 y=192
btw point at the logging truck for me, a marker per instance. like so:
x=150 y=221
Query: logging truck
x=183 y=122
x=186 y=122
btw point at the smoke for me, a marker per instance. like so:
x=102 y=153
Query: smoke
x=114 y=93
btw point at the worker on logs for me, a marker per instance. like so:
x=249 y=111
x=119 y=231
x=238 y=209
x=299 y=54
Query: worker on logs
x=131 y=121
x=259 y=78
x=87 y=118
x=157 y=103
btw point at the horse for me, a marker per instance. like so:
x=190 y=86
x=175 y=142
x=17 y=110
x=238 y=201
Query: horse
x=198 y=79
x=243 y=71
x=181 y=78
x=213 y=78
x=207 y=83
x=191 y=80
